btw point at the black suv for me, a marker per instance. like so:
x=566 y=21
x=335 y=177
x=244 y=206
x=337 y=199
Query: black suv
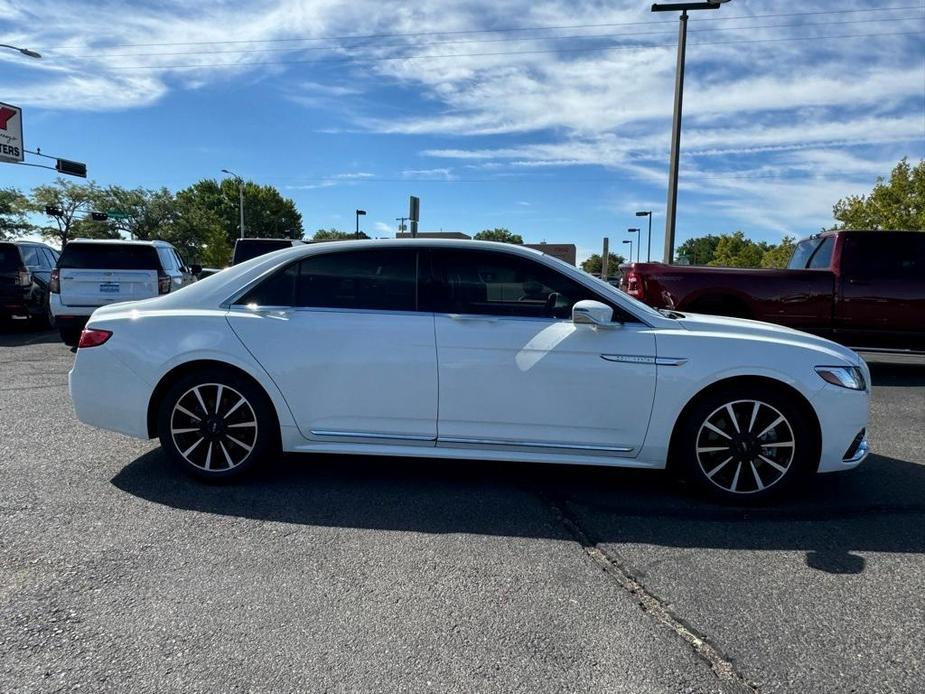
x=25 y=268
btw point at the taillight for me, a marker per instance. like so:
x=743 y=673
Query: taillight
x=93 y=338
x=54 y=283
x=163 y=283
x=634 y=285
x=24 y=279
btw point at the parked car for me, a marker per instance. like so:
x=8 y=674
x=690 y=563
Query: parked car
x=246 y=249
x=465 y=349
x=94 y=273
x=25 y=271
x=860 y=288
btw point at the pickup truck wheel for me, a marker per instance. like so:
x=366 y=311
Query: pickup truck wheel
x=70 y=336
x=745 y=446
x=216 y=425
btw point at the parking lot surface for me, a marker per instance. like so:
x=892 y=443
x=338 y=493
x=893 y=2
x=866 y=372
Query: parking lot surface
x=118 y=573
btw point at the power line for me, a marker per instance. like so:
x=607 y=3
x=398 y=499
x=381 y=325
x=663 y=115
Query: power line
x=346 y=37
x=302 y=49
x=635 y=47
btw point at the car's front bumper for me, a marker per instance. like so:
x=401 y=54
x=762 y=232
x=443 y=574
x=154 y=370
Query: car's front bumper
x=843 y=416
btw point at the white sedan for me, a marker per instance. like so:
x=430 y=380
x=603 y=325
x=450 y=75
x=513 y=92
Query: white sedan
x=464 y=349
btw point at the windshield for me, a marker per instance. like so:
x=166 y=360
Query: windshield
x=108 y=256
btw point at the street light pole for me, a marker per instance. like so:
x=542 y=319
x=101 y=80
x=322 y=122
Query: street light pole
x=634 y=230
x=24 y=51
x=240 y=199
x=630 y=242
x=647 y=213
x=359 y=212
x=671 y=210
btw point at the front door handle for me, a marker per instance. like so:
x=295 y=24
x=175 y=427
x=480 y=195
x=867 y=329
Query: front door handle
x=472 y=317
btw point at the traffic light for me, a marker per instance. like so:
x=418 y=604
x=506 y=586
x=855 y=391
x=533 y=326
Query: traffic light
x=99 y=216
x=72 y=168
x=53 y=211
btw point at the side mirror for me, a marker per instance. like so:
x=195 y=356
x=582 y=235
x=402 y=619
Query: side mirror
x=590 y=312
x=195 y=269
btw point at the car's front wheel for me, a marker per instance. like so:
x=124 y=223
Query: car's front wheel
x=746 y=445
x=216 y=424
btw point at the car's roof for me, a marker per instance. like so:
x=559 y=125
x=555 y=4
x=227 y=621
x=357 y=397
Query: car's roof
x=155 y=242
x=27 y=242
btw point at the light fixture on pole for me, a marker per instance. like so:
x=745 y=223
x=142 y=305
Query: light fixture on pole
x=25 y=51
x=240 y=199
x=635 y=230
x=363 y=213
x=647 y=213
x=630 y=242
x=671 y=210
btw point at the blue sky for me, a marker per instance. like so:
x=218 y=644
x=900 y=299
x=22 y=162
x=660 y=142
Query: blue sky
x=558 y=130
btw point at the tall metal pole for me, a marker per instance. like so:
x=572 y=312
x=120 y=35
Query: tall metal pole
x=605 y=259
x=649 y=241
x=671 y=210
x=241 y=203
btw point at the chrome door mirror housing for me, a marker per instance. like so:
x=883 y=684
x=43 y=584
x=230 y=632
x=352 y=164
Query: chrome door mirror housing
x=590 y=312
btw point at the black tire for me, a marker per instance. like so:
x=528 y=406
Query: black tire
x=750 y=460
x=213 y=440
x=44 y=320
x=70 y=336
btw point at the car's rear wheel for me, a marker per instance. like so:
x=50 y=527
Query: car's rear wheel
x=746 y=445
x=216 y=424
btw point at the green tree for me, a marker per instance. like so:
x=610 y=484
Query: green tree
x=734 y=250
x=895 y=204
x=333 y=234
x=149 y=213
x=214 y=251
x=698 y=251
x=13 y=221
x=76 y=201
x=593 y=264
x=499 y=234
x=778 y=256
x=267 y=214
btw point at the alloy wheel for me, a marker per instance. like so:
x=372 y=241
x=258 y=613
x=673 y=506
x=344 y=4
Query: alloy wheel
x=213 y=427
x=745 y=446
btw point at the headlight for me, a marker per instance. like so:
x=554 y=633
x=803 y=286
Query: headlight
x=845 y=376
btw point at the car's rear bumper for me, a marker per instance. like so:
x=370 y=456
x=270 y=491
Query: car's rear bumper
x=107 y=394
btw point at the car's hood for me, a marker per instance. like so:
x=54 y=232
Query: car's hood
x=754 y=329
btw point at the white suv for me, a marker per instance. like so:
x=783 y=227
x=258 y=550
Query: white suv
x=94 y=273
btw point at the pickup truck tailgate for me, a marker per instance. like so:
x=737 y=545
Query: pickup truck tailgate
x=100 y=287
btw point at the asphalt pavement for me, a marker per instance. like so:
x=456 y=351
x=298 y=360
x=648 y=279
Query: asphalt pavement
x=326 y=573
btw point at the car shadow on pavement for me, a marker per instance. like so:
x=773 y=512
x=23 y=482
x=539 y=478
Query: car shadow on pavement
x=890 y=374
x=23 y=333
x=876 y=508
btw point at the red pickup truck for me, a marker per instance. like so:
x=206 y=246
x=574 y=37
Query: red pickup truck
x=865 y=289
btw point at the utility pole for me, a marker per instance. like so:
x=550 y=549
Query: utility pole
x=671 y=209
x=401 y=223
x=360 y=213
x=647 y=213
x=605 y=259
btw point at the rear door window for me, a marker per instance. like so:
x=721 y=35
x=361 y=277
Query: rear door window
x=884 y=256
x=381 y=280
x=30 y=256
x=108 y=256
x=802 y=253
x=168 y=260
x=822 y=258
x=9 y=257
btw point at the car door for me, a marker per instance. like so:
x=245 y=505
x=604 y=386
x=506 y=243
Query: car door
x=39 y=268
x=882 y=290
x=341 y=335
x=515 y=371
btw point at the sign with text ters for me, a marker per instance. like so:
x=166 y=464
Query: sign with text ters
x=11 y=144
